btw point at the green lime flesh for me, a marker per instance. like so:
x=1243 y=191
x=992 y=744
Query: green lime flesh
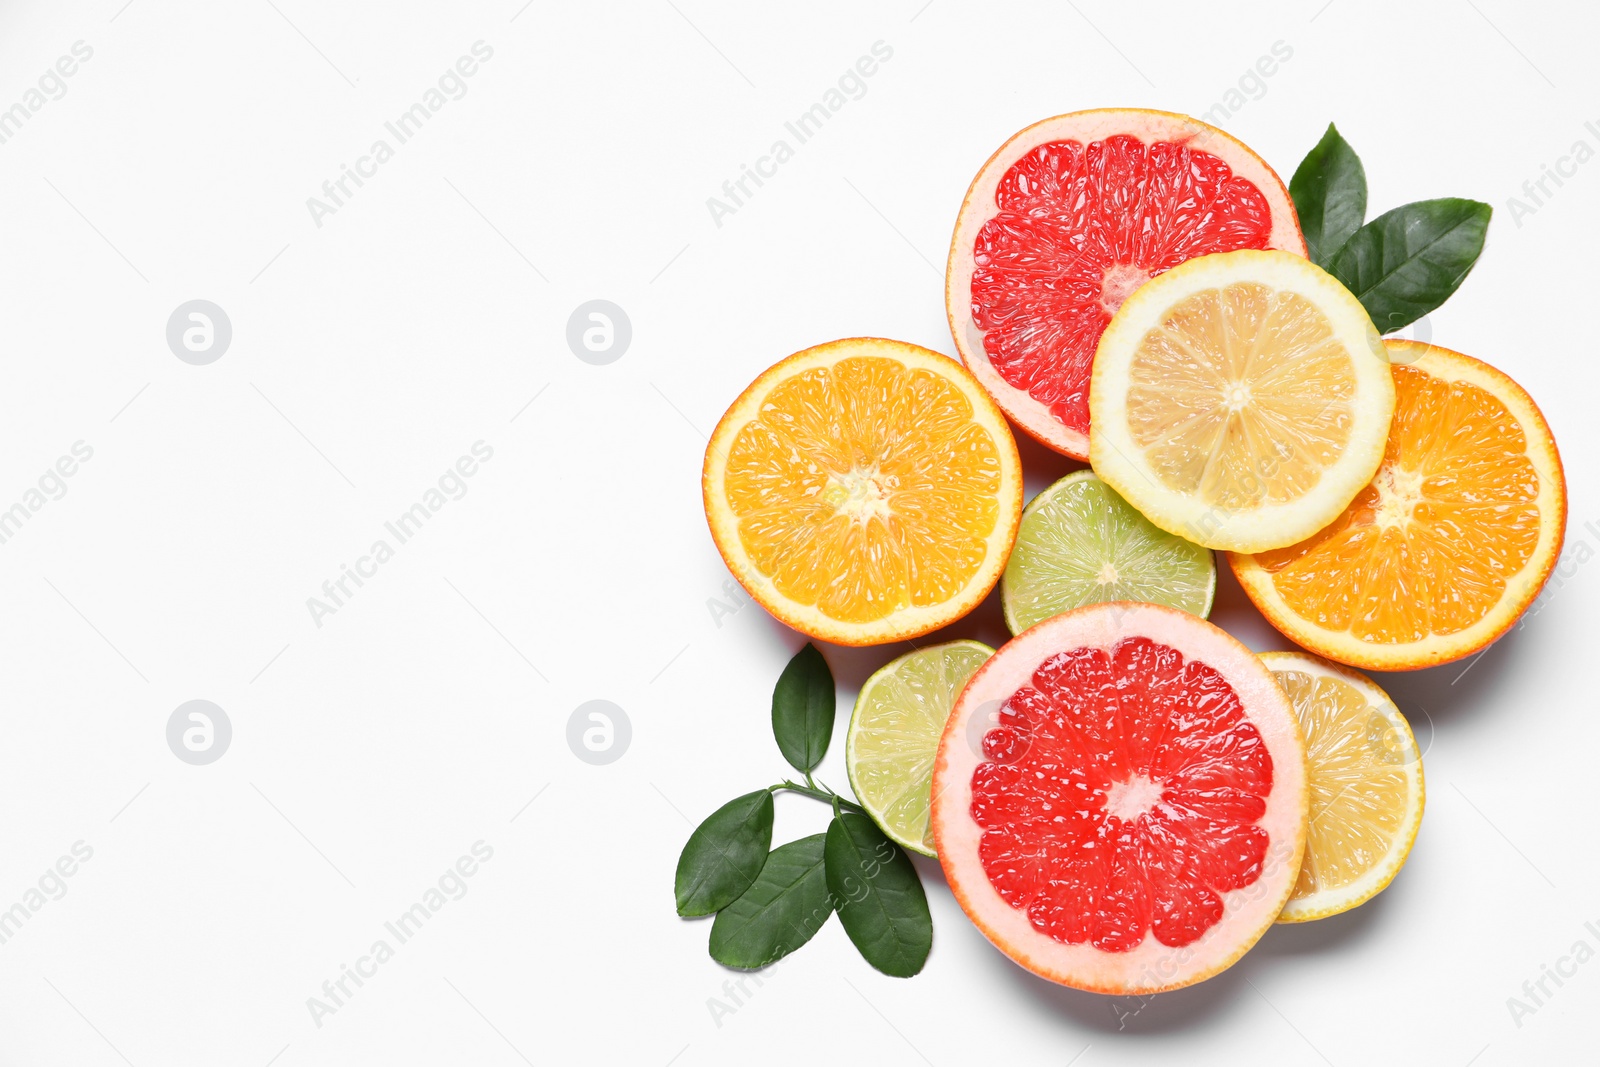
x=1080 y=543
x=894 y=736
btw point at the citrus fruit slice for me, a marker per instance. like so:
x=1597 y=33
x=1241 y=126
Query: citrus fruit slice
x=1119 y=799
x=1448 y=544
x=1080 y=543
x=864 y=491
x=1240 y=400
x=894 y=732
x=1366 y=785
x=1069 y=217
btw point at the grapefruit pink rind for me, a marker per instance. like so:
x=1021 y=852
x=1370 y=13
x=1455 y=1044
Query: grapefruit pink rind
x=1084 y=127
x=1151 y=966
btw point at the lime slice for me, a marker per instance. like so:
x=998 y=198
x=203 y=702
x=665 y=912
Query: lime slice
x=894 y=735
x=1080 y=543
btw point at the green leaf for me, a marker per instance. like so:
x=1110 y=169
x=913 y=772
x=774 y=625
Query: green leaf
x=786 y=905
x=802 y=709
x=1330 y=196
x=878 y=895
x=724 y=854
x=1408 y=261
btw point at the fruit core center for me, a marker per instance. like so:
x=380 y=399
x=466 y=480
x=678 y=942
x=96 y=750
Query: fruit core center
x=1107 y=575
x=1399 y=492
x=1120 y=280
x=859 y=494
x=1129 y=799
x=1236 y=396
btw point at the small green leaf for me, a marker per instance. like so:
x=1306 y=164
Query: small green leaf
x=1408 y=261
x=878 y=895
x=779 y=912
x=802 y=709
x=1330 y=196
x=724 y=854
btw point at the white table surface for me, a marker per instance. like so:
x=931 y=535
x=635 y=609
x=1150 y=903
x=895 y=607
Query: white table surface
x=429 y=312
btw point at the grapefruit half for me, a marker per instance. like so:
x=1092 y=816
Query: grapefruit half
x=1120 y=799
x=1066 y=220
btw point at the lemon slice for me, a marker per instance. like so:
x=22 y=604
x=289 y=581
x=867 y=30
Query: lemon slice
x=1240 y=400
x=1366 y=785
x=894 y=736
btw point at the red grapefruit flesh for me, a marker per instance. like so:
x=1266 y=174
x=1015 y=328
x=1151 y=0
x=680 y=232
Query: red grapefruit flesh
x=1119 y=799
x=1066 y=220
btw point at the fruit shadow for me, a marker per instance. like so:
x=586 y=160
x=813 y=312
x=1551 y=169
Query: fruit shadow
x=1233 y=610
x=1205 y=1005
x=1041 y=467
x=1458 y=693
x=853 y=666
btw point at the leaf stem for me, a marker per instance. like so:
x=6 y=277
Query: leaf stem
x=818 y=792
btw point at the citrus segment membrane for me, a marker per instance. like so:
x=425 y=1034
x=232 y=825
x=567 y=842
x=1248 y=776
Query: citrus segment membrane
x=1067 y=219
x=865 y=488
x=1366 y=783
x=1452 y=537
x=894 y=734
x=1444 y=526
x=1121 y=795
x=1080 y=543
x=1120 y=798
x=1080 y=226
x=1245 y=398
x=863 y=491
x=1233 y=375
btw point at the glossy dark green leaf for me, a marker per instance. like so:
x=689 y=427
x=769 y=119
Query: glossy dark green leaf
x=724 y=854
x=782 y=909
x=878 y=895
x=1330 y=196
x=802 y=709
x=1408 y=261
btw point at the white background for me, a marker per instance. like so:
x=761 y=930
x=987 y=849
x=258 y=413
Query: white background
x=369 y=353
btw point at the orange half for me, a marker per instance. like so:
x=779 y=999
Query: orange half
x=1449 y=543
x=864 y=491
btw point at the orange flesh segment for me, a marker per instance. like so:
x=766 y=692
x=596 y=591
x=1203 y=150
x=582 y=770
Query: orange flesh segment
x=1430 y=545
x=864 y=488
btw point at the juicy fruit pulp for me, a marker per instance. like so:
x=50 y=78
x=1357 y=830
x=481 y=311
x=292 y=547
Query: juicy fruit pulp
x=1079 y=228
x=1080 y=543
x=1241 y=400
x=1121 y=796
x=1442 y=538
x=825 y=481
x=1366 y=785
x=1119 y=799
x=1233 y=375
x=1472 y=491
x=894 y=735
x=864 y=490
